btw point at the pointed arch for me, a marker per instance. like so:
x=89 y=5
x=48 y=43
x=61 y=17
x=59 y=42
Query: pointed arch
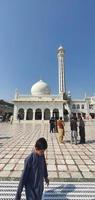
x=46 y=114
x=21 y=113
x=56 y=113
x=29 y=115
x=38 y=114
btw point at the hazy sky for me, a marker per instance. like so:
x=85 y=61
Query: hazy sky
x=30 y=33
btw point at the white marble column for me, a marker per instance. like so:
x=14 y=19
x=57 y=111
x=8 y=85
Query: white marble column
x=51 y=113
x=61 y=113
x=15 y=112
x=42 y=114
x=87 y=108
x=33 y=114
x=77 y=115
x=25 y=112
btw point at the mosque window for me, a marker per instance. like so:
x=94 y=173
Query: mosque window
x=73 y=106
x=90 y=106
x=78 y=106
x=82 y=106
x=1 y=106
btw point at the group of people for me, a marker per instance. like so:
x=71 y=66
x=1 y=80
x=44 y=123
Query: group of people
x=58 y=126
x=74 y=130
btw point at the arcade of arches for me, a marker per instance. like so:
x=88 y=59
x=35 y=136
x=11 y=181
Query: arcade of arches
x=37 y=114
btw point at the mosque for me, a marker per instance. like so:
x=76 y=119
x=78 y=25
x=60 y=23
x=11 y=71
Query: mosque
x=42 y=105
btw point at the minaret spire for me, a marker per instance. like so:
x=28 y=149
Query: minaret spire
x=61 y=75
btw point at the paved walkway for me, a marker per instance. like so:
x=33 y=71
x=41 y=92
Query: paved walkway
x=67 y=161
x=55 y=191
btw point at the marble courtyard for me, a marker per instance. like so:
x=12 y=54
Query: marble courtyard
x=66 y=162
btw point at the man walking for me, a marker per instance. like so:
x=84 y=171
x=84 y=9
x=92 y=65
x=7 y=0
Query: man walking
x=82 y=131
x=52 y=124
x=73 y=125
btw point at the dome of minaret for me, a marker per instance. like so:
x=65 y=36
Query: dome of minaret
x=60 y=48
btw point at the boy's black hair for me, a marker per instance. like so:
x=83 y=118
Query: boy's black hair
x=41 y=144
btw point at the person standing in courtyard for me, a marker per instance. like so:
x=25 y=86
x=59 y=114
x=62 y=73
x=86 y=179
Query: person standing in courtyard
x=18 y=117
x=60 y=127
x=52 y=124
x=82 y=130
x=11 y=119
x=73 y=125
x=55 y=128
x=34 y=173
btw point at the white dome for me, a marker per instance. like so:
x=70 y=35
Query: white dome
x=40 y=88
x=60 y=48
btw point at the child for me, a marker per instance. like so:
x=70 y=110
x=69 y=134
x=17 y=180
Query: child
x=35 y=171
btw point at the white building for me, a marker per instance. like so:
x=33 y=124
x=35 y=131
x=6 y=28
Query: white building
x=84 y=107
x=41 y=104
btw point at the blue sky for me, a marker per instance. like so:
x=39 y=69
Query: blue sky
x=30 y=33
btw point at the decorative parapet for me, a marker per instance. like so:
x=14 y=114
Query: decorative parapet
x=48 y=98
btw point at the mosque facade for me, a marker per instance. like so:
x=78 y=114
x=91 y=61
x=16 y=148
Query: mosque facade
x=42 y=105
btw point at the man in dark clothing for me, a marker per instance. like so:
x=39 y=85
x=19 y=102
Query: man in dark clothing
x=73 y=125
x=82 y=131
x=52 y=124
x=35 y=170
x=19 y=117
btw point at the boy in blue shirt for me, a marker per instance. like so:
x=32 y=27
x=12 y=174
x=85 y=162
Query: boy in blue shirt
x=34 y=173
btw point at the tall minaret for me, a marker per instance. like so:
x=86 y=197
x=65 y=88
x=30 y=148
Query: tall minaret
x=61 y=75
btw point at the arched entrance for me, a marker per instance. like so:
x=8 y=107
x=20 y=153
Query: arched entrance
x=29 y=114
x=21 y=113
x=38 y=114
x=84 y=115
x=56 y=113
x=92 y=115
x=46 y=114
x=79 y=115
x=66 y=115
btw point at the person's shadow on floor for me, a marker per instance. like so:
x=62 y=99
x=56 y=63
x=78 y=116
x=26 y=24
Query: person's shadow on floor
x=59 y=192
